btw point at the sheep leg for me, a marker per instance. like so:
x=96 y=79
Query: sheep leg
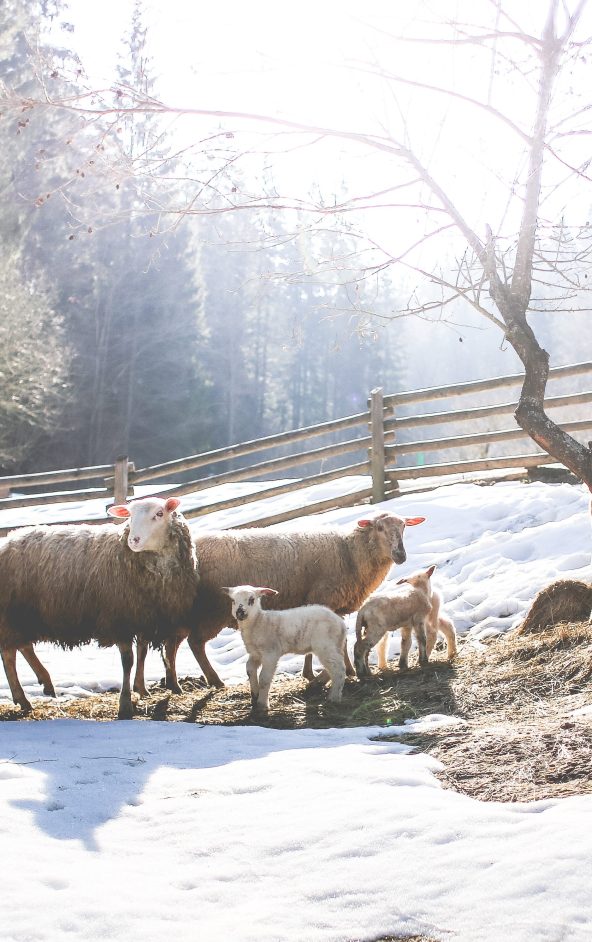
x=448 y=630
x=253 y=665
x=307 y=671
x=431 y=638
x=405 y=646
x=139 y=680
x=361 y=652
x=268 y=667
x=381 y=650
x=18 y=694
x=169 y=656
x=335 y=667
x=349 y=667
x=420 y=634
x=41 y=673
x=126 y=709
x=198 y=647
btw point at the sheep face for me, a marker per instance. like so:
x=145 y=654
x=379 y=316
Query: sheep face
x=388 y=530
x=420 y=580
x=149 y=522
x=246 y=600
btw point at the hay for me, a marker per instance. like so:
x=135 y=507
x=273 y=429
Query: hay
x=567 y=600
x=519 y=741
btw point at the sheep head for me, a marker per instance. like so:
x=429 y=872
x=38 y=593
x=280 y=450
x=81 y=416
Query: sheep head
x=149 y=522
x=387 y=531
x=246 y=599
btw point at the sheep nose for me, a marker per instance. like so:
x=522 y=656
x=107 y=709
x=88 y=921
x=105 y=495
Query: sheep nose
x=135 y=540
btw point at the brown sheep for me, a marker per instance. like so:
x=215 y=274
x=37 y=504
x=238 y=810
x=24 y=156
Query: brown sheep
x=72 y=584
x=562 y=601
x=333 y=566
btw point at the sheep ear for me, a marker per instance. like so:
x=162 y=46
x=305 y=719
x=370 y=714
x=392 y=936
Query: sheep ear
x=119 y=510
x=226 y=590
x=171 y=503
x=365 y=523
x=430 y=571
x=401 y=581
x=265 y=591
x=413 y=521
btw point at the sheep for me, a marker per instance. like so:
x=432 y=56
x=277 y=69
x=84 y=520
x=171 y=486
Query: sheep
x=268 y=635
x=563 y=601
x=334 y=566
x=71 y=584
x=408 y=604
x=436 y=622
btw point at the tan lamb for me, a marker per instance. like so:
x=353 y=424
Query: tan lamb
x=408 y=604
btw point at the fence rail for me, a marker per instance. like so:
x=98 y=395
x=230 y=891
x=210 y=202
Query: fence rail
x=387 y=462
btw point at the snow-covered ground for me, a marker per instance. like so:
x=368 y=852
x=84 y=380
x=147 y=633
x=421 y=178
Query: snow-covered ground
x=114 y=830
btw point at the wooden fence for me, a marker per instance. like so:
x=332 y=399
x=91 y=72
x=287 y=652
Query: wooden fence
x=377 y=449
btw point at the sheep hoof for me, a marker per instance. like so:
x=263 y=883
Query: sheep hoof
x=126 y=711
x=49 y=690
x=25 y=706
x=141 y=691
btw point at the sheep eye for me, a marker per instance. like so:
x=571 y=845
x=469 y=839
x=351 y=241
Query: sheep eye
x=159 y=513
x=252 y=600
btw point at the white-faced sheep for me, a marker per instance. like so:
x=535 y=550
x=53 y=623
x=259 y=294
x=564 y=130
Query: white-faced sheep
x=436 y=623
x=74 y=584
x=406 y=605
x=268 y=635
x=336 y=566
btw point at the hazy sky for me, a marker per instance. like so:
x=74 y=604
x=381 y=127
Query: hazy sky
x=323 y=63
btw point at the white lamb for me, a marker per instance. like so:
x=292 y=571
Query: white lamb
x=268 y=635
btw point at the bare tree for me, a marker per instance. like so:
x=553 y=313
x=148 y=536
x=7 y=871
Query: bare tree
x=540 y=265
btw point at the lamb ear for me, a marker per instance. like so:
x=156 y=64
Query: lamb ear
x=172 y=503
x=265 y=591
x=413 y=521
x=401 y=581
x=365 y=523
x=430 y=571
x=119 y=510
x=226 y=590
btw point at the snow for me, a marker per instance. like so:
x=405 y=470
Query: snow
x=141 y=830
x=114 y=830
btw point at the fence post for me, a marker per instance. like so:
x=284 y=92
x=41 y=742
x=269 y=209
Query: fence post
x=377 y=447
x=120 y=482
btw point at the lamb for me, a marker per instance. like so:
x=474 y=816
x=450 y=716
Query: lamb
x=407 y=605
x=73 y=584
x=334 y=566
x=436 y=622
x=269 y=635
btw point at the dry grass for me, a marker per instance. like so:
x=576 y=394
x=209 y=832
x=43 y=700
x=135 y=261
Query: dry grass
x=519 y=741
